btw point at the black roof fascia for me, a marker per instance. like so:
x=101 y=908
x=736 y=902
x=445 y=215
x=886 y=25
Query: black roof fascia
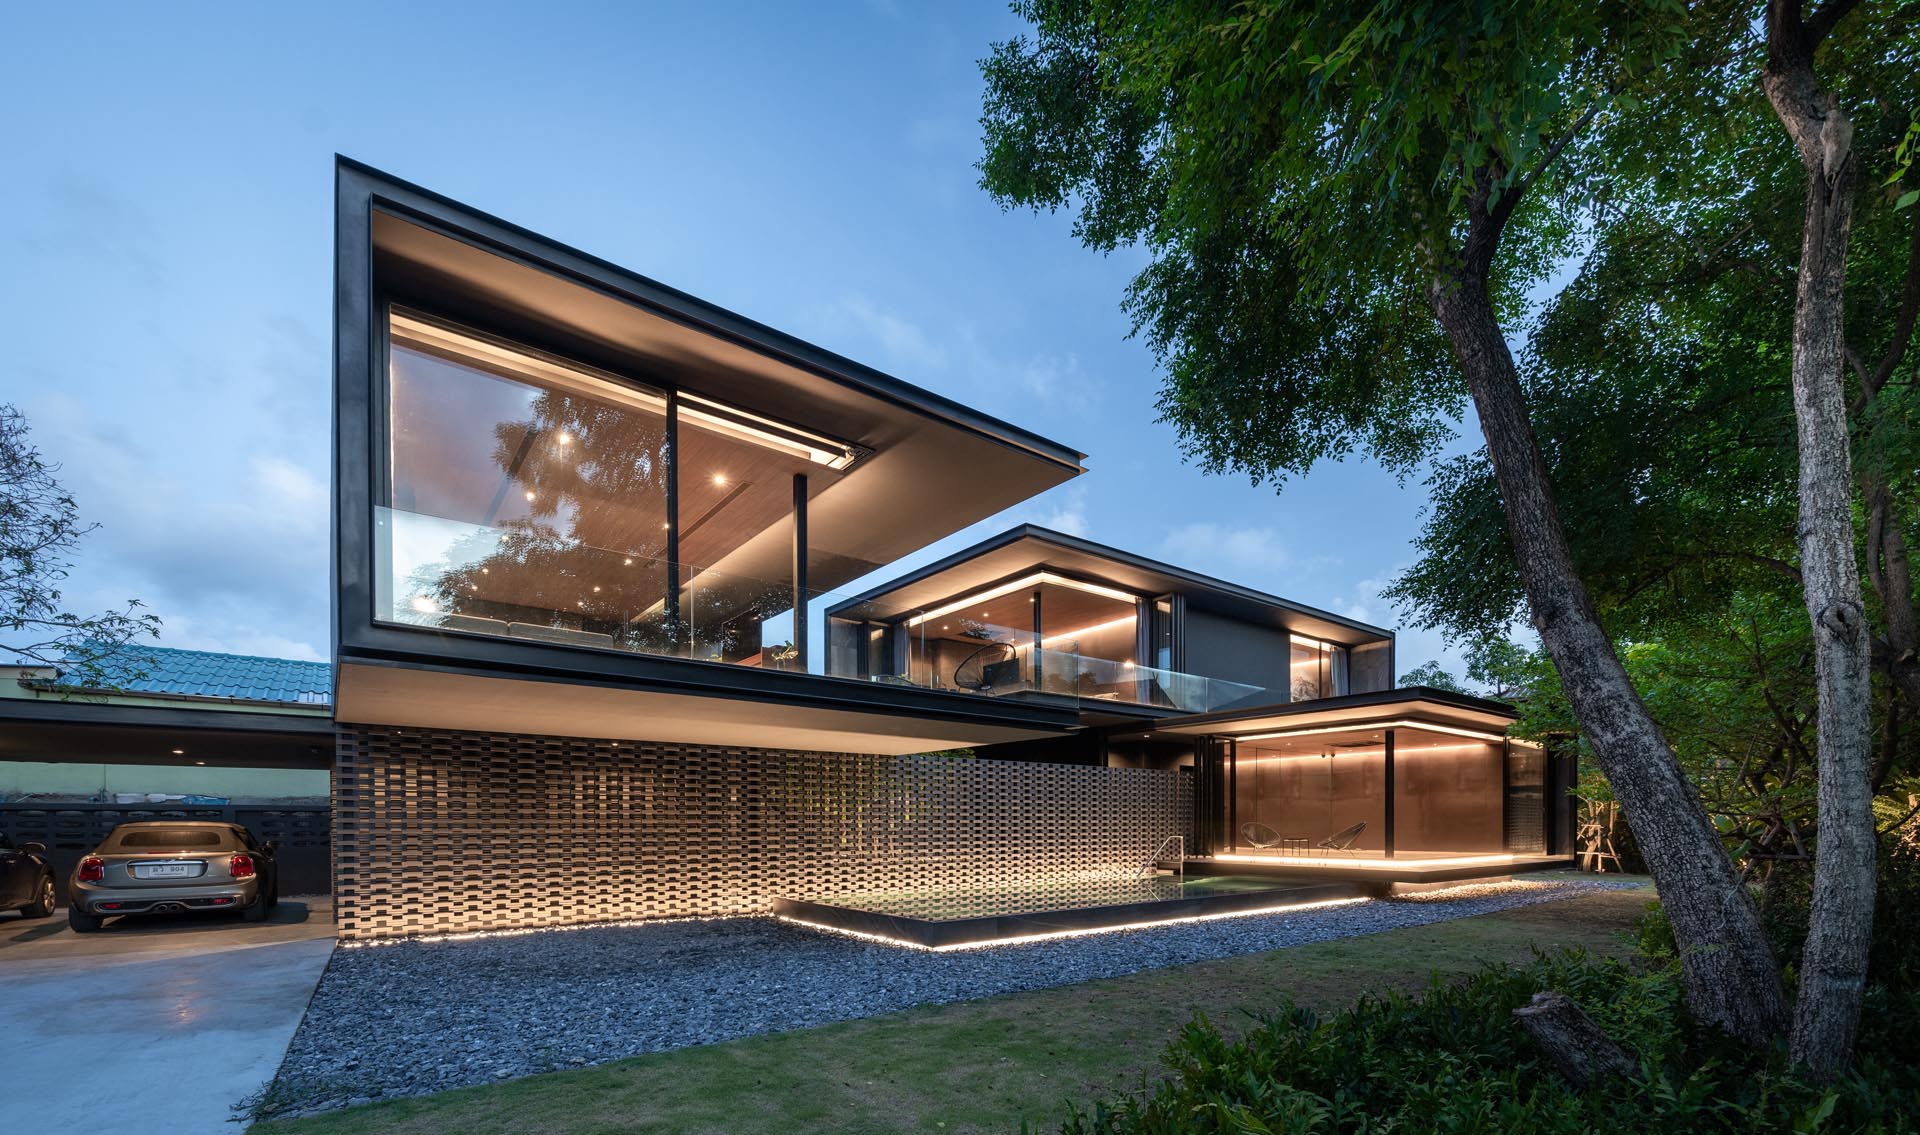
x=466 y=223
x=1380 y=698
x=1107 y=552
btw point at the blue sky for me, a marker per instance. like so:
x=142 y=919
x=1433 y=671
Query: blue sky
x=165 y=297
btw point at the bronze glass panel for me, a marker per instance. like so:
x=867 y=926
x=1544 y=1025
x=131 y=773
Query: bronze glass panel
x=1448 y=794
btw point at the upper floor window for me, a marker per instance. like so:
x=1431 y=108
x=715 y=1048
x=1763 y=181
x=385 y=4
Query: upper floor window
x=531 y=497
x=1317 y=669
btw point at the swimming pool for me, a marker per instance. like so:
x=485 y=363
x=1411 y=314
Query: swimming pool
x=951 y=919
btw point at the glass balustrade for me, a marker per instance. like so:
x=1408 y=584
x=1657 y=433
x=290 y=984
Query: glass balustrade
x=532 y=583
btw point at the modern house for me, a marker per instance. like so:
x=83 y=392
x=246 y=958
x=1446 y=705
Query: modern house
x=591 y=535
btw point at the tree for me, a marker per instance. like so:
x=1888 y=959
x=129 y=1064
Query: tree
x=1833 y=974
x=39 y=530
x=1664 y=379
x=1433 y=675
x=1345 y=208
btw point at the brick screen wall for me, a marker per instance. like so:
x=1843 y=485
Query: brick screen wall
x=437 y=832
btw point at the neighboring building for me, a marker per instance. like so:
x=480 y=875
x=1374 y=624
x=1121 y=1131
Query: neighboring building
x=222 y=736
x=590 y=661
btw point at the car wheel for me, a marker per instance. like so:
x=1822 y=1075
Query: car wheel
x=82 y=923
x=273 y=896
x=42 y=904
x=256 y=911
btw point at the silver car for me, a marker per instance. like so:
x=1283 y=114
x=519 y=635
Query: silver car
x=174 y=867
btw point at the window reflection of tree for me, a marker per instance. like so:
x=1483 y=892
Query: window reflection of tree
x=576 y=533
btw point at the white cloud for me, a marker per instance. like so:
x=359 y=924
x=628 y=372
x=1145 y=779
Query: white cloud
x=900 y=340
x=1063 y=509
x=1240 y=554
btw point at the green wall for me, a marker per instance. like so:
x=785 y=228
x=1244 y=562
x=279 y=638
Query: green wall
x=18 y=778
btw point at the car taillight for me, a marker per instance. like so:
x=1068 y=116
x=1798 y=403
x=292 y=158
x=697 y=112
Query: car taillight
x=92 y=870
x=241 y=867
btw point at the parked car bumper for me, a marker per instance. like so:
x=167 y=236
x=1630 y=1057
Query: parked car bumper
x=107 y=901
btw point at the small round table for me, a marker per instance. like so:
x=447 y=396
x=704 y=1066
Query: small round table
x=1293 y=845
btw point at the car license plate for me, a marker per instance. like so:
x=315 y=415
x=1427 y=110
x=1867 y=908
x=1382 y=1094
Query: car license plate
x=163 y=870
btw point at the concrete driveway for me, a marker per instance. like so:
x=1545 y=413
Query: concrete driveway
x=153 y=1025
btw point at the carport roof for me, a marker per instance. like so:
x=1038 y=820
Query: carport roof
x=169 y=671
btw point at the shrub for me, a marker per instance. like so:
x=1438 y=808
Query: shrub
x=1454 y=1060
x=1894 y=953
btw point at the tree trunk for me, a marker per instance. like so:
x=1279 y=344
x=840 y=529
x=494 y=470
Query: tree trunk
x=1833 y=971
x=1732 y=979
x=1575 y=1045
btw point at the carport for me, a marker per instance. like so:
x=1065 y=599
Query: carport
x=201 y=1007
x=194 y=712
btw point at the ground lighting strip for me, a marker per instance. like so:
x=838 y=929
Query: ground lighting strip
x=985 y=943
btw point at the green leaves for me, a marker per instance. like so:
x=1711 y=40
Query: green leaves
x=1451 y=1060
x=1299 y=174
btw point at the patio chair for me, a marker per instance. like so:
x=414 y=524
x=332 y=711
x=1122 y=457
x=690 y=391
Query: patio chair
x=1343 y=840
x=1259 y=835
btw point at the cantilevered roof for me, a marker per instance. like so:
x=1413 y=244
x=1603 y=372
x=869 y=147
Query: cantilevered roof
x=1412 y=706
x=1030 y=548
x=932 y=465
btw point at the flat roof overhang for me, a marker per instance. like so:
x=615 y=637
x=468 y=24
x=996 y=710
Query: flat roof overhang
x=1029 y=549
x=934 y=465
x=94 y=732
x=757 y=709
x=1413 y=706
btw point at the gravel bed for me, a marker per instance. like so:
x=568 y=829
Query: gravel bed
x=426 y=1015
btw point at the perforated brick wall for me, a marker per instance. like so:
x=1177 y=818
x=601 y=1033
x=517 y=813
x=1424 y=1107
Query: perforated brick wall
x=437 y=832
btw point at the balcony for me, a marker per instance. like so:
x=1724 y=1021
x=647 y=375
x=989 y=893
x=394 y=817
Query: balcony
x=533 y=582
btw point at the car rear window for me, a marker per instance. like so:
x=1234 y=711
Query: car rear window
x=174 y=837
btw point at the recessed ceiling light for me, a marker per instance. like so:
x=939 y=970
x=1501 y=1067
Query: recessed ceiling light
x=529 y=494
x=629 y=561
x=200 y=762
x=596 y=587
x=719 y=478
x=565 y=438
x=179 y=752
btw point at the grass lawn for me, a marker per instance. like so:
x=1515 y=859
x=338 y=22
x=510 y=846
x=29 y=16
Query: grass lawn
x=977 y=1065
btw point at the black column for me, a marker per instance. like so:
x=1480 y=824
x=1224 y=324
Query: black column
x=1388 y=818
x=1036 y=639
x=670 y=605
x=800 y=570
x=1233 y=792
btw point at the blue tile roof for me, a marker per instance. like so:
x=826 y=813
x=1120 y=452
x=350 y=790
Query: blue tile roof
x=206 y=674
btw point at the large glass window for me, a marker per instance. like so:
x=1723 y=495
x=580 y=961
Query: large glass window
x=1317 y=795
x=1089 y=643
x=527 y=498
x=1317 y=670
x=530 y=497
x=1043 y=633
x=1448 y=793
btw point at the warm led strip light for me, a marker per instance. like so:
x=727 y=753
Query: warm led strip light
x=1366 y=864
x=1016 y=585
x=430 y=937
x=986 y=943
x=411 y=329
x=1370 y=726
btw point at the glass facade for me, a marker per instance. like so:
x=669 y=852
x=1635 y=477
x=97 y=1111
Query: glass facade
x=1317 y=669
x=530 y=497
x=1302 y=794
x=1323 y=794
x=1447 y=794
